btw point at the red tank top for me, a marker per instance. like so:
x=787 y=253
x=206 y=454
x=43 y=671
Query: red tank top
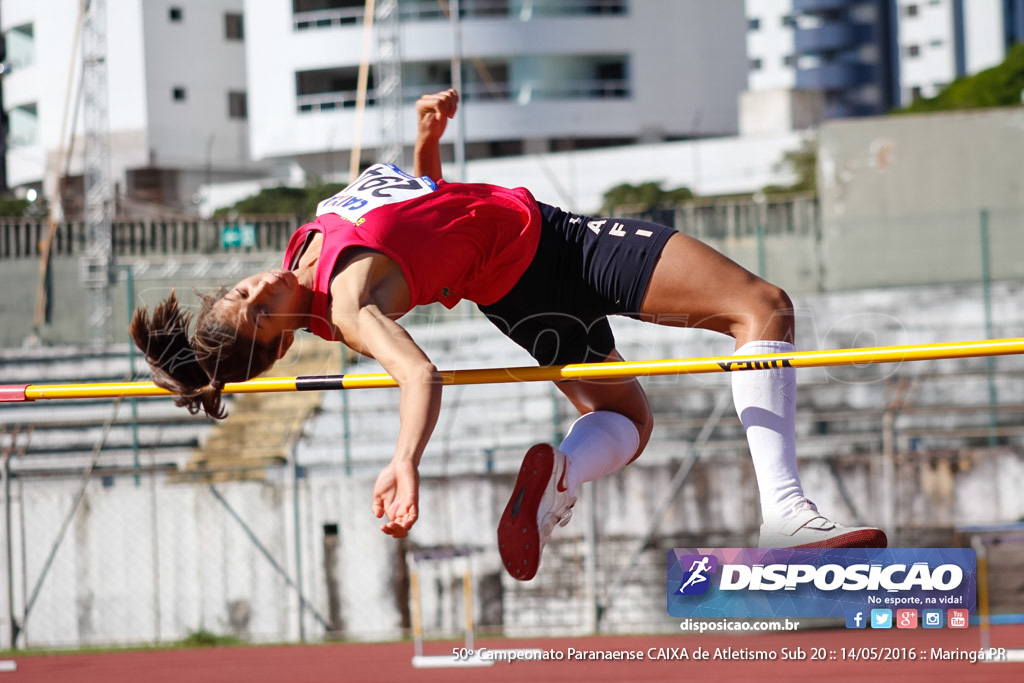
x=453 y=241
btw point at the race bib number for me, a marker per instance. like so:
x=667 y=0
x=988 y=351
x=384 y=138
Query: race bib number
x=377 y=186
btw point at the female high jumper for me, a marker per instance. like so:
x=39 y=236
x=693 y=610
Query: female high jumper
x=547 y=279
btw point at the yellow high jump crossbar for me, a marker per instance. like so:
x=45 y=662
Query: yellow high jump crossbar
x=16 y=393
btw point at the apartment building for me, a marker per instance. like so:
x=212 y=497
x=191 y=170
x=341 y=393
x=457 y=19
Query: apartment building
x=177 y=99
x=941 y=40
x=538 y=75
x=841 y=49
x=865 y=57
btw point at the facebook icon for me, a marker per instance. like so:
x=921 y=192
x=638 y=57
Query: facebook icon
x=856 y=619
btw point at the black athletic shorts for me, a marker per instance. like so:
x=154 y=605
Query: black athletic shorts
x=584 y=270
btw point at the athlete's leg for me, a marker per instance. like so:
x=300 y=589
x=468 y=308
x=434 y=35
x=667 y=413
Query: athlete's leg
x=611 y=432
x=614 y=426
x=695 y=286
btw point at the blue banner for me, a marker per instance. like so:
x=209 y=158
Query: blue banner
x=804 y=582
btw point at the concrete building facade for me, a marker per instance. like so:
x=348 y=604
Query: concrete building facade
x=538 y=75
x=941 y=40
x=178 y=106
x=840 y=48
x=867 y=57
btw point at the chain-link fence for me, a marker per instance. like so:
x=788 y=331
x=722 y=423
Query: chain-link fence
x=276 y=542
x=136 y=523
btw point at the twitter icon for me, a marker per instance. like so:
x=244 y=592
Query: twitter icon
x=881 y=618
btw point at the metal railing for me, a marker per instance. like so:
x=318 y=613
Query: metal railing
x=735 y=218
x=584 y=89
x=431 y=10
x=21 y=239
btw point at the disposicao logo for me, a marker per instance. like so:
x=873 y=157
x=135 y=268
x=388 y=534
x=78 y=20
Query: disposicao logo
x=760 y=582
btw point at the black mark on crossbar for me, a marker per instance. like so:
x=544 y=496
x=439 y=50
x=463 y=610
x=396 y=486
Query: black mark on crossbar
x=730 y=365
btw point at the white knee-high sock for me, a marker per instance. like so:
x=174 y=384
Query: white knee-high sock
x=766 y=404
x=598 y=444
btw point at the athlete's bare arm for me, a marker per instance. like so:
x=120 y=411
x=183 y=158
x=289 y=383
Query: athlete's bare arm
x=367 y=295
x=432 y=114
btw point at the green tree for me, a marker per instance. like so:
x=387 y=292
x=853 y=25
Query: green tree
x=644 y=196
x=296 y=201
x=803 y=163
x=14 y=208
x=1000 y=86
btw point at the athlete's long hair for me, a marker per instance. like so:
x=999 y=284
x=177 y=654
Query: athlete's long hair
x=197 y=369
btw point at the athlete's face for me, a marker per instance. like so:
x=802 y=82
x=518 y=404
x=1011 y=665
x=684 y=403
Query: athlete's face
x=264 y=306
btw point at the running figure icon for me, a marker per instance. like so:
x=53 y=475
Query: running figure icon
x=697 y=573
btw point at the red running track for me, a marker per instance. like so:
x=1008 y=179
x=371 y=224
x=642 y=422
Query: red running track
x=391 y=662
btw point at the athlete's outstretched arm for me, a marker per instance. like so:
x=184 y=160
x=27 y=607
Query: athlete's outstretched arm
x=432 y=114
x=396 y=492
x=366 y=298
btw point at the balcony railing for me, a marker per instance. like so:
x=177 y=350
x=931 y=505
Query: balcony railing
x=831 y=37
x=328 y=18
x=834 y=76
x=592 y=89
x=812 y=6
x=468 y=9
x=332 y=101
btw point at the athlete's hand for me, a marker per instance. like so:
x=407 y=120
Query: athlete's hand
x=397 y=495
x=433 y=112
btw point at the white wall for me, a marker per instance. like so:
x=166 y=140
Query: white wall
x=983 y=32
x=577 y=181
x=194 y=54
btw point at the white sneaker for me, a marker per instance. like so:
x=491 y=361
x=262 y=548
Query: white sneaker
x=807 y=528
x=539 y=501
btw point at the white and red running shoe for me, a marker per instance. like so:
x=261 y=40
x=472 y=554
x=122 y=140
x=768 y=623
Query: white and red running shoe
x=808 y=528
x=539 y=501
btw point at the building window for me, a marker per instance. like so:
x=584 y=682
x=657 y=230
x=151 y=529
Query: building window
x=910 y=10
x=330 y=89
x=753 y=24
x=20 y=43
x=916 y=93
x=314 y=14
x=23 y=125
x=178 y=94
x=238 y=107
x=610 y=79
x=913 y=50
x=176 y=14
x=789 y=60
x=755 y=64
x=788 y=21
x=234 y=29
x=937 y=42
